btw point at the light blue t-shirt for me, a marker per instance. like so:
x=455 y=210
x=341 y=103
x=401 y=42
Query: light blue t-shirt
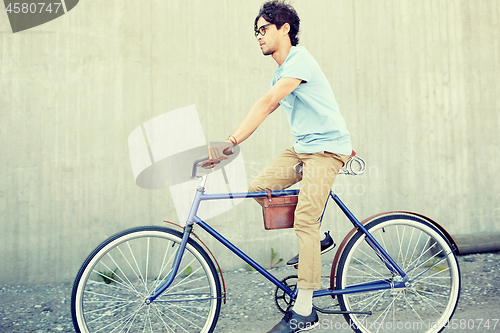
x=312 y=111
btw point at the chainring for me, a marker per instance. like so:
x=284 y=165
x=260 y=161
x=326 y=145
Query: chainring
x=283 y=301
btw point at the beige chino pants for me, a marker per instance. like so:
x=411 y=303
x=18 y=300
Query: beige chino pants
x=318 y=173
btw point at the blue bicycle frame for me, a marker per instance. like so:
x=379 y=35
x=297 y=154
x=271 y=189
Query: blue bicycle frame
x=193 y=219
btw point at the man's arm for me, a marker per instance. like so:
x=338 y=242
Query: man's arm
x=264 y=107
x=257 y=114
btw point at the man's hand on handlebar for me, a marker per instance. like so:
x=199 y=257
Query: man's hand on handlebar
x=217 y=152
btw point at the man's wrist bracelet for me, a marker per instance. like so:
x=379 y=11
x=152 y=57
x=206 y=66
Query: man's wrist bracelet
x=233 y=140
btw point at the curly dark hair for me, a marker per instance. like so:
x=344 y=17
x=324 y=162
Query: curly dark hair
x=279 y=12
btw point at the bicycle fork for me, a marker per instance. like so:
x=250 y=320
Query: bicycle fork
x=182 y=247
x=175 y=267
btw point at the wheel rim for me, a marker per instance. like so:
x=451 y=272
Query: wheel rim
x=420 y=251
x=116 y=282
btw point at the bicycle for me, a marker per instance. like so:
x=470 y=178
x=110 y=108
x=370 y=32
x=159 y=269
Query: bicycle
x=395 y=270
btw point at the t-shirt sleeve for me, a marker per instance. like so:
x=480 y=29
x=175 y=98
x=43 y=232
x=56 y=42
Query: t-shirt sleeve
x=297 y=67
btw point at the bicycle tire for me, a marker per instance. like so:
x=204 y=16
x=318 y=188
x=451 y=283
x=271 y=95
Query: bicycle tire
x=110 y=288
x=424 y=253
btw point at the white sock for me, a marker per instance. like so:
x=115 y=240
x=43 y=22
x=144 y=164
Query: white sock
x=304 y=302
x=322 y=236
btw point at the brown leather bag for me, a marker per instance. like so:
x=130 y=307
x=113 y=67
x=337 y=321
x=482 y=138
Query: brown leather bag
x=279 y=211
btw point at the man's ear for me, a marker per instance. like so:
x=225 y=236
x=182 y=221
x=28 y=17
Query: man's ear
x=286 y=28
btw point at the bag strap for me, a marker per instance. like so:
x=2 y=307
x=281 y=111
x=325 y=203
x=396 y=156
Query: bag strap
x=269 y=195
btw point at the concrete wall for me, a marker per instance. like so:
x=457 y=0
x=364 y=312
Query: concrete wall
x=417 y=82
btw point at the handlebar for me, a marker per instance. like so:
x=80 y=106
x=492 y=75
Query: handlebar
x=227 y=152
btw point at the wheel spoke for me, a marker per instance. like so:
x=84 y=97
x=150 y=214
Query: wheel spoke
x=149 y=321
x=376 y=294
x=191 y=304
x=113 y=280
x=362 y=263
x=413 y=309
x=400 y=247
x=147 y=262
x=112 y=306
x=386 y=310
x=432 y=284
x=126 y=287
x=407 y=250
x=163 y=267
x=179 y=273
x=421 y=254
x=378 y=262
x=431 y=266
x=416 y=247
x=172 y=320
x=126 y=318
x=129 y=264
x=108 y=296
x=107 y=314
x=185 y=308
x=138 y=268
x=426 y=299
x=163 y=321
x=128 y=282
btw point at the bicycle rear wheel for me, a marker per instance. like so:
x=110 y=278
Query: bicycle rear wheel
x=424 y=254
x=112 y=285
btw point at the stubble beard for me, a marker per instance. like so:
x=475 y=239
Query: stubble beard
x=267 y=52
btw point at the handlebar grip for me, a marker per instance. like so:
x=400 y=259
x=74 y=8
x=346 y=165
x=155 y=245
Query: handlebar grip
x=228 y=151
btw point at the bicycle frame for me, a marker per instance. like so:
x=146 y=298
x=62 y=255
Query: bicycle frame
x=194 y=219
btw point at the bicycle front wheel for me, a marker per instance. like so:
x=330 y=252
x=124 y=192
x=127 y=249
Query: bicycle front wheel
x=424 y=254
x=111 y=287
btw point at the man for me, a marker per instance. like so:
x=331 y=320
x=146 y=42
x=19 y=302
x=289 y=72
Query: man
x=323 y=145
